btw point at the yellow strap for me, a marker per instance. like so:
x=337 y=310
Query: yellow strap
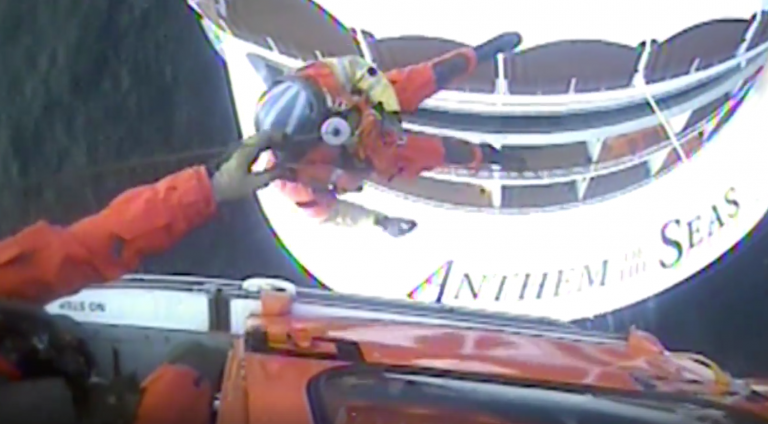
x=353 y=72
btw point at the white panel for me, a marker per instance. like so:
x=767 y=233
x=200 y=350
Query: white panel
x=163 y=309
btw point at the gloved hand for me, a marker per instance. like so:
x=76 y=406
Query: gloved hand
x=232 y=178
x=395 y=227
x=456 y=64
x=502 y=43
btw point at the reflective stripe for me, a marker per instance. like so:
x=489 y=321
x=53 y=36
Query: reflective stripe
x=373 y=84
x=341 y=68
x=283 y=108
x=275 y=102
x=302 y=103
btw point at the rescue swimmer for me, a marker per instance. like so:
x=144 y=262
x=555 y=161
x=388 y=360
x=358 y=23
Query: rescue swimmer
x=45 y=262
x=336 y=122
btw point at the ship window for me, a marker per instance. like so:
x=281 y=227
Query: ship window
x=370 y=395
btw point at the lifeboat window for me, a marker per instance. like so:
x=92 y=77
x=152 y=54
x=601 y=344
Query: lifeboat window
x=369 y=395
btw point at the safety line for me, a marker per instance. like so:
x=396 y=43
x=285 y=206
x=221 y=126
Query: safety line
x=671 y=134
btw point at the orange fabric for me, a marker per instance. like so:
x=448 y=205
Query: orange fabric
x=316 y=205
x=376 y=145
x=316 y=167
x=45 y=262
x=323 y=76
x=419 y=153
x=175 y=394
x=413 y=85
x=416 y=83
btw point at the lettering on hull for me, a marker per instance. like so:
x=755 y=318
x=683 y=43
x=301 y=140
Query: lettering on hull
x=458 y=283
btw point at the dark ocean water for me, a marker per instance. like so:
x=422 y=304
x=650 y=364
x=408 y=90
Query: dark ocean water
x=99 y=96
x=91 y=88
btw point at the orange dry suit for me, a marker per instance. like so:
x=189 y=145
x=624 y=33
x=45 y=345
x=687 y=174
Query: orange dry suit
x=45 y=262
x=411 y=85
x=383 y=153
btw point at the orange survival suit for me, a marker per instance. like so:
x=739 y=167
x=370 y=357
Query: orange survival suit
x=386 y=156
x=46 y=262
